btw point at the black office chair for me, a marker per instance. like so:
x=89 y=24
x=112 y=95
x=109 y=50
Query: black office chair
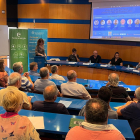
x=122 y=100
x=137 y=134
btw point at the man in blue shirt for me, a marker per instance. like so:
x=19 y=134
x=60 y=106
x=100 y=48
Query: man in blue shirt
x=131 y=111
x=33 y=69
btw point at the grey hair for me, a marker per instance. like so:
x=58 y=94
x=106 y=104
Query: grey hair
x=13 y=79
x=49 y=95
x=53 y=68
x=17 y=66
x=137 y=93
x=114 y=81
x=44 y=72
x=71 y=76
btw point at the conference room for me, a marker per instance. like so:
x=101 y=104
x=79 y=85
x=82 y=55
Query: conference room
x=69 y=69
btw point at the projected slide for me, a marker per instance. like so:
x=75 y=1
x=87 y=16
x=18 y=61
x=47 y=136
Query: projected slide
x=116 y=22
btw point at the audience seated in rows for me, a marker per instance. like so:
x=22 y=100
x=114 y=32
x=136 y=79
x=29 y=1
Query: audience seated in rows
x=71 y=88
x=40 y=84
x=14 y=126
x=49 y=105
x=54 y=70
x=95 y=126
x=131 y=111
x=26 y=82
x=118 y=92
x=14 y=85
x=3 y=75
x=105 y=94
x=33 y=69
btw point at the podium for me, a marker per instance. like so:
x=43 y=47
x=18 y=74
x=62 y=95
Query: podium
x=40 y=60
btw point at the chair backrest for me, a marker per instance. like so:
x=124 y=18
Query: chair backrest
x=122 y=100
x=137 y=134
x=74 y=97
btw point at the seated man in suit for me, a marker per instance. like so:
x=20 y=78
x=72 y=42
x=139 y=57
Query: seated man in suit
x=54 y=70
x=49 y=105
x=33 y=69
x=74 y=57
x=71 y=88
x=40 y=84
x=26 y=82
x=118 y=92
x=95 y=58
x=105 y=94
x=95 y=126
x=131 y=111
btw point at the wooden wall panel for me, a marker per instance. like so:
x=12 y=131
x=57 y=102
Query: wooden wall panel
x=31 y=25
x=99 y=74
x=40 y=11
x=127 y=53
x=3 y=17
x=74 y=31
x=70 y=11
x=55 y=11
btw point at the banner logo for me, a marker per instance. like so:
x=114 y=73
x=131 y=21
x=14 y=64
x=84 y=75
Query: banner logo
x=18 y=34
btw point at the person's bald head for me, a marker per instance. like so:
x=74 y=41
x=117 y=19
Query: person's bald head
x=113 y=79
x=137 y=93
x=71 y=75
x=50 y=92
x=14 y=78
x=95 y=53
x=44 y=72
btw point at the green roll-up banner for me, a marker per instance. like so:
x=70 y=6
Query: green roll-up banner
x=19 y=47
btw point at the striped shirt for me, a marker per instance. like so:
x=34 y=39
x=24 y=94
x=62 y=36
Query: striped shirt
x=25 y=83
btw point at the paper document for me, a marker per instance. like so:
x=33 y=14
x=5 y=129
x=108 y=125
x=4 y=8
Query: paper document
x=38 y=122
x=72 y=62
x=103 y=65
x=117 y=107
x=66 y=103
x=127 y=89
x=136 y=70
x=86 y=63
x=130 y=68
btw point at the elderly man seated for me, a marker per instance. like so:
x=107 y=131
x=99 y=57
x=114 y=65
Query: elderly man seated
x=26 y=82
x=131 y=111
x=54 y=70
x=40 y=84
x=49 y=105
x=71 y=88
x=14 y=85
x=33 y=69
x=95 y=126
x=105 y=94
x=118 y=92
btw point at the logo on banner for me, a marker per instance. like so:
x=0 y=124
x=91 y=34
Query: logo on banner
x=33 y=32
x=19 y=46
x=13 y=47
x=18 y=34
x=15 y=55
x=21 y=55
x=24 y=47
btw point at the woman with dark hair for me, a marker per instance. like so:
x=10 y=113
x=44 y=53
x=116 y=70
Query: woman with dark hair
x=39 y=51
x=3 y=74
x=116 y=60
